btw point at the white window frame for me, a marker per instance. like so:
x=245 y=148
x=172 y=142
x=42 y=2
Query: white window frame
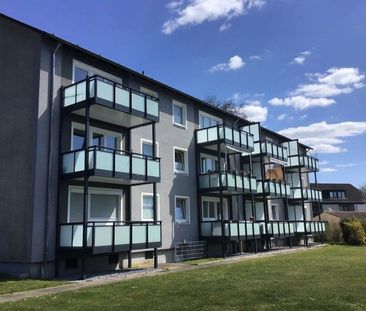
x=92 y=190
x=79 y=126
x=142 y=205
x=149 y=91
x=149 y=141
x=186 y=166
x=277 y=216
x=93 y=71
x=205 y=114
x=206 y=156
x=187 y=220
x=184 y=112
x=215 y=200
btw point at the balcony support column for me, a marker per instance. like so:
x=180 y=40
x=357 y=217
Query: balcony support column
x=155 y=204
x=319 y=206
x=223 y=242
x=86 y=179
x=303 y=203
x=198 y=171
x=255 y=217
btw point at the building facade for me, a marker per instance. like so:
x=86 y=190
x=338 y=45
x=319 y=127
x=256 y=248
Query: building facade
x=102 y=165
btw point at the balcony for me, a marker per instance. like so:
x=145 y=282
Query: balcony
x=111 y=102
x=309 y=163
x=239 y=140
x=312 y=227
x=111 y=165
x=233 y=229
x=109 y=237
x=231 y=182
x=274 y=189
x=307 y=194
x=270 y=149
x=281 y=228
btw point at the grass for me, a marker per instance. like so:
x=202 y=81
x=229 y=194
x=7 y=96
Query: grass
x=195 y=262
x=329 y=278
x=9 y=284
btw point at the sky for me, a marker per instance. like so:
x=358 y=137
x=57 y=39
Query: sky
x=298 y=66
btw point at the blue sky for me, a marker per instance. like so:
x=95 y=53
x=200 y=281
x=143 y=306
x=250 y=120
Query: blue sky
x=299 y=66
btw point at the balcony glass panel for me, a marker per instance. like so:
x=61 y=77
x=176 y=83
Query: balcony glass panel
x=234 y=229
x=250 y=141
x=230 y=180
x=239 y=181
x=212 y=133
x=216 y=229
x=244 y=137
x=138 y=166
x=80 y=91
x=104 y=161
x=152 y=107
x=122 y=163
x=206 y=229
x=201 y=136
x=65 y=235
x=79 y=161
x=153 y=168
x=253 y=183
x=300 y=227
x=241 y=229
x=260 y=188
x=105 y=90
x=257 y=230
x=154 y=233
x=103 y=235
x=237 y=137
x=122 y=235
x=138 y=234
x=69 y=95
x=68 y=163
x=296 y=193
x=122 y=96
x=223 y=180
x=256 y=148
x=228 y=133
x=138 y=102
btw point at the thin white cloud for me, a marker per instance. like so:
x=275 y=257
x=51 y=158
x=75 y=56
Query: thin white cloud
x=225 y=26
x=324 y=137
x=234 y=63
x=255 y=58
x=328 y=170
x=346 y=165
x=284 y=116
x=195 y=12
x=254 y=111
x=324 y=162
x=300 y=59
x=319 y=93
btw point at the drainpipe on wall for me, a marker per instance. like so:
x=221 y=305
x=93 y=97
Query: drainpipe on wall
x=50 y=152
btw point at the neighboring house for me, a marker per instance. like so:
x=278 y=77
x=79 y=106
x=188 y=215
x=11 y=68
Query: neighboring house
x=341 y=197
x=101 y=165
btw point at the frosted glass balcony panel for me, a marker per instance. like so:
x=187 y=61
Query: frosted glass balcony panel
x=122 y=163
x=79 y=161
x=80 y=91
x=103 y=236
x=68 y=163
x=234 y=230
x=138 y=102
x=122 y=235
x=212 y=133
x=230 y=180
x=122 y=97
x=201 y=136
x=154 y=233
x=206 y=229
x=65 y=235
x=216 y=229
x=138 y=166
x=138 y=234
x=69 y=95
x=152 y=107
x=105 y=90
x=104 y=161
x=153 y=168
x=77 y=238
x=241 y=229
x=228 y=133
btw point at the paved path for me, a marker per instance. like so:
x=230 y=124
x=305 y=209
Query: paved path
x=164 y=268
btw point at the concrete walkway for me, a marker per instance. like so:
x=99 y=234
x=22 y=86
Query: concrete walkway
x=121 y=276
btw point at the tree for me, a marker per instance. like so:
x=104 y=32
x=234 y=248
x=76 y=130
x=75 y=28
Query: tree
x=227 y=105
x=363 y=190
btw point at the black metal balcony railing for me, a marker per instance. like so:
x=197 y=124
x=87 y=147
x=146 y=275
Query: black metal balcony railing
x=226 y=134
x=310 y=163
x=111 y=236
x=113 y=95
x=109 y=162
x=306 y=193
x=274 y=188
x=265 y=147
x=241 y=229
x=230 y=180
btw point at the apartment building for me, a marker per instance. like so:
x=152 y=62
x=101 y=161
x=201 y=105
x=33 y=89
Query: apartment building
x=101 y=166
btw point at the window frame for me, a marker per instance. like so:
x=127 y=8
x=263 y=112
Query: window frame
x=187 y=220
x=217 y=202
x=186 y=163
x=207 y=115
x=93 y=71
x=277 y=211
x=149 y=92
x=149 y=141
x=142 y=205
x=184 y=114
x=95 y=190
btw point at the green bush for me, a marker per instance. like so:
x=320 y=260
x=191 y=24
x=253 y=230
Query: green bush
x=333 y=233
x=353 y=231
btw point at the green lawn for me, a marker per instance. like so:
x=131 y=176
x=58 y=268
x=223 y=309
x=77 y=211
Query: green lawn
x=12 y=285
x=329 y=278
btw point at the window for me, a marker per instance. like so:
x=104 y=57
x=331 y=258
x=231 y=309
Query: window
x=146 y=147
x=180 y=160
x=337 y=194
x=149 y=92
x=207 y=120
x=81 y=71
x=181 y=209
x=274 y=210
x=98 y=137
x=147 y=204
x=103 y=204
x=209 y=164
x=179 y=114
x=211 y=208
